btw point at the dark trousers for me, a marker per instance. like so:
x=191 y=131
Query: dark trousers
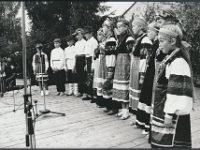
x=2 y=85
x=81 y=74
x=71 y=76
x=89 y=77
x=60 y=80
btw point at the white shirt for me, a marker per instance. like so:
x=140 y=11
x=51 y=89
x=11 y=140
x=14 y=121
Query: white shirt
x=91 y=45
x=57 y=59
x=80 y=47
x=70 y=56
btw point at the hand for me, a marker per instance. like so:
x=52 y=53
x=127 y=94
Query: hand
x=168 y=122
x=85 y=68
x=45 y=71
x=66 y=69
x=34 y=72
x=55 y=69
x=74 y=70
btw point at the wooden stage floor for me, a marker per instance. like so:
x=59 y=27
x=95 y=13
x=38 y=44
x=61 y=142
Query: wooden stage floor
x=84 y=126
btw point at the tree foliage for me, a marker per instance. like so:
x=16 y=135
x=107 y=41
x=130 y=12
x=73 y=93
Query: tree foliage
x=10 y=28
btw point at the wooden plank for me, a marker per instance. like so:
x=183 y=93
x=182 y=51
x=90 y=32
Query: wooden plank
x=84 y=126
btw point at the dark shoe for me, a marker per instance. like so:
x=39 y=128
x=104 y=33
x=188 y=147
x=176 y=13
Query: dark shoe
x=86 y=98
x=69 y=94
x=107 y=110
x=99 y=106
x=93 y=101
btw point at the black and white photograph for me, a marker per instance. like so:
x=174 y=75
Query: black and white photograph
x=99 y=74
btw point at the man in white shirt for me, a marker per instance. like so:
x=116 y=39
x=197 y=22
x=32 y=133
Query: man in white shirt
x=80 y=61
x=91 y=45
x=57 y=63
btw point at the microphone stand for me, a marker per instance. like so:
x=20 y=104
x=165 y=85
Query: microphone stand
x=27 y=104
x=1 y=81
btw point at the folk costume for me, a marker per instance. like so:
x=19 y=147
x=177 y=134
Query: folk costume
x=110 y=54
x=122 y=72
x=138 y=64
x=40 y=65
x=145 y=100
x=134 y=87
x=102 y=73
x=173 y=100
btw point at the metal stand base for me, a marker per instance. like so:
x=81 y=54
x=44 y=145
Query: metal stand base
x=46 y=111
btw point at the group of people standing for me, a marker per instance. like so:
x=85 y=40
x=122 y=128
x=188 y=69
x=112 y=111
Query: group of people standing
x=145 y=71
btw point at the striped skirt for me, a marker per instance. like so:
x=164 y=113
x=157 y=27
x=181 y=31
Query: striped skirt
x=102 y=74
x=96 y=72
x=110 y=62
x=40 y=75
x=134 y=91
x=121 y=78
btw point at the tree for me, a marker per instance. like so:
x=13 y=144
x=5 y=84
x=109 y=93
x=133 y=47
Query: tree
x=10 y=30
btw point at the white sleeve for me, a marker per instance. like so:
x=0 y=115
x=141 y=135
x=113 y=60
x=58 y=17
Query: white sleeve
x=46 y=62
x=51 y=60
x=179 y=97
x=33 y=62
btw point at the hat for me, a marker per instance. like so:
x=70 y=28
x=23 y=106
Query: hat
x=140 y=21
x=173 y=31
x=166 y=12
x=69 y=38
x=79 y=30
x=57 y=40
x=88 y=29
x=124 y=21
x=38 y=45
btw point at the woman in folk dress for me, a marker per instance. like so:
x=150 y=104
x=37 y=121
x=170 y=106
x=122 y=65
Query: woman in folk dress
x=122 y=68
x=174 y=93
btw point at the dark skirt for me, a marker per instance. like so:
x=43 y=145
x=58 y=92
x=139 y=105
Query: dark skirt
x=81 y=75
x=179 y=135
x=144 y=104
